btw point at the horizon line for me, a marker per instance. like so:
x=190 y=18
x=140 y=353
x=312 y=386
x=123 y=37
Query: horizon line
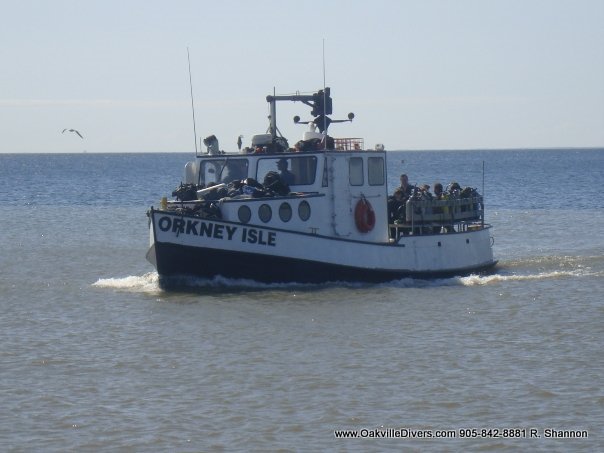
x=411 y=150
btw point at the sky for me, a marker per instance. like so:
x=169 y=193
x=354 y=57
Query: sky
x=418 y=74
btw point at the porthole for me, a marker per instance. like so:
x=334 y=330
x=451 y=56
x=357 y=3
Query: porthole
x=265 y=213
x=304 y=210
x=244 y=213
x=285 y=212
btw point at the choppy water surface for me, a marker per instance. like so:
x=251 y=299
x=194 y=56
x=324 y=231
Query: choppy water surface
x=95 y=356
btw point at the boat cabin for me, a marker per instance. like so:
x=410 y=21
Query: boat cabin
x=324 y=190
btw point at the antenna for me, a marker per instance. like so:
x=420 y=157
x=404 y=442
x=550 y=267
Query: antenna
x=483 y=193
x=483 y=178
x=324 y=97
x=192 y=105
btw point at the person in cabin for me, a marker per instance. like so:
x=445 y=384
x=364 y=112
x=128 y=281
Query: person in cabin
x=233 y=171
x=286 y=176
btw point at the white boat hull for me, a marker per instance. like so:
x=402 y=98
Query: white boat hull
x=188 y=245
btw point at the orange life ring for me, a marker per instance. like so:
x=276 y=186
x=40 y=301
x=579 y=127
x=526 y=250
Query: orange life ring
x=364 y=216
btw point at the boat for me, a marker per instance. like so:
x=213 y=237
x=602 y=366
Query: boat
x=312 y=213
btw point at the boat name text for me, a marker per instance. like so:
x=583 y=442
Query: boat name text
x=217 y=231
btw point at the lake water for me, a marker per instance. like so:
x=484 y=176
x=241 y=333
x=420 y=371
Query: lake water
x=95 y=356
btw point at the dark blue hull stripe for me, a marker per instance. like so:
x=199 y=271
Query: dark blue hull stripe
x=176 y=260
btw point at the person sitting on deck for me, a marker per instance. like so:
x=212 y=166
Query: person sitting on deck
x=438 y=191
x=396 y=207
x=405 y=186
x=397 y=212
x=425 y=192
x=454 y=189
x=439 y=195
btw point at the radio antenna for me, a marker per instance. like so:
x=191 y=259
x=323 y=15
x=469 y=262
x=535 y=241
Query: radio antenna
x=482 y=193
x=324 y=98
x=192 y=104
x=483 y=178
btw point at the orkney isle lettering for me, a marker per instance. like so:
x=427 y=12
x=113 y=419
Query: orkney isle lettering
x=212 y=230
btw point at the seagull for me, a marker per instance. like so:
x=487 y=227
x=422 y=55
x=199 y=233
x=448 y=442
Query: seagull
x=72 y=130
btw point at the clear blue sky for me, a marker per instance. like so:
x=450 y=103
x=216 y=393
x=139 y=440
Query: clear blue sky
x=418 y=74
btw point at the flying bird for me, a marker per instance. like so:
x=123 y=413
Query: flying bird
x=72 y=130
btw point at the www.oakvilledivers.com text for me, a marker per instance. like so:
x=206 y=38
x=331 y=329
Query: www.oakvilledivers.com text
x=392 y=433
x=462 y=433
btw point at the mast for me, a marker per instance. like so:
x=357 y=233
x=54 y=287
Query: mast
x=273 y=114
x=324 y=95
x=192 y=104
x=320 y=103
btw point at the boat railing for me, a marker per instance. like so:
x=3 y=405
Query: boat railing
x=452 y=210
x=428 y=216
x=349 y=144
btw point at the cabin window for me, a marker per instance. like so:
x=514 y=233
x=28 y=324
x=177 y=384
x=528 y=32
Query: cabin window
x=222 y=170
x=304 y=210
x=265 y=213
x=298 y=171
x=355 y=168
x=375 y=171
x=285 y=212
x=325 y=180
x=244 y=213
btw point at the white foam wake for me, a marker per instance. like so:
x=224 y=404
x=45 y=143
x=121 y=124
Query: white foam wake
x=478 y=280
x=148 y=283
x=510 y=272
